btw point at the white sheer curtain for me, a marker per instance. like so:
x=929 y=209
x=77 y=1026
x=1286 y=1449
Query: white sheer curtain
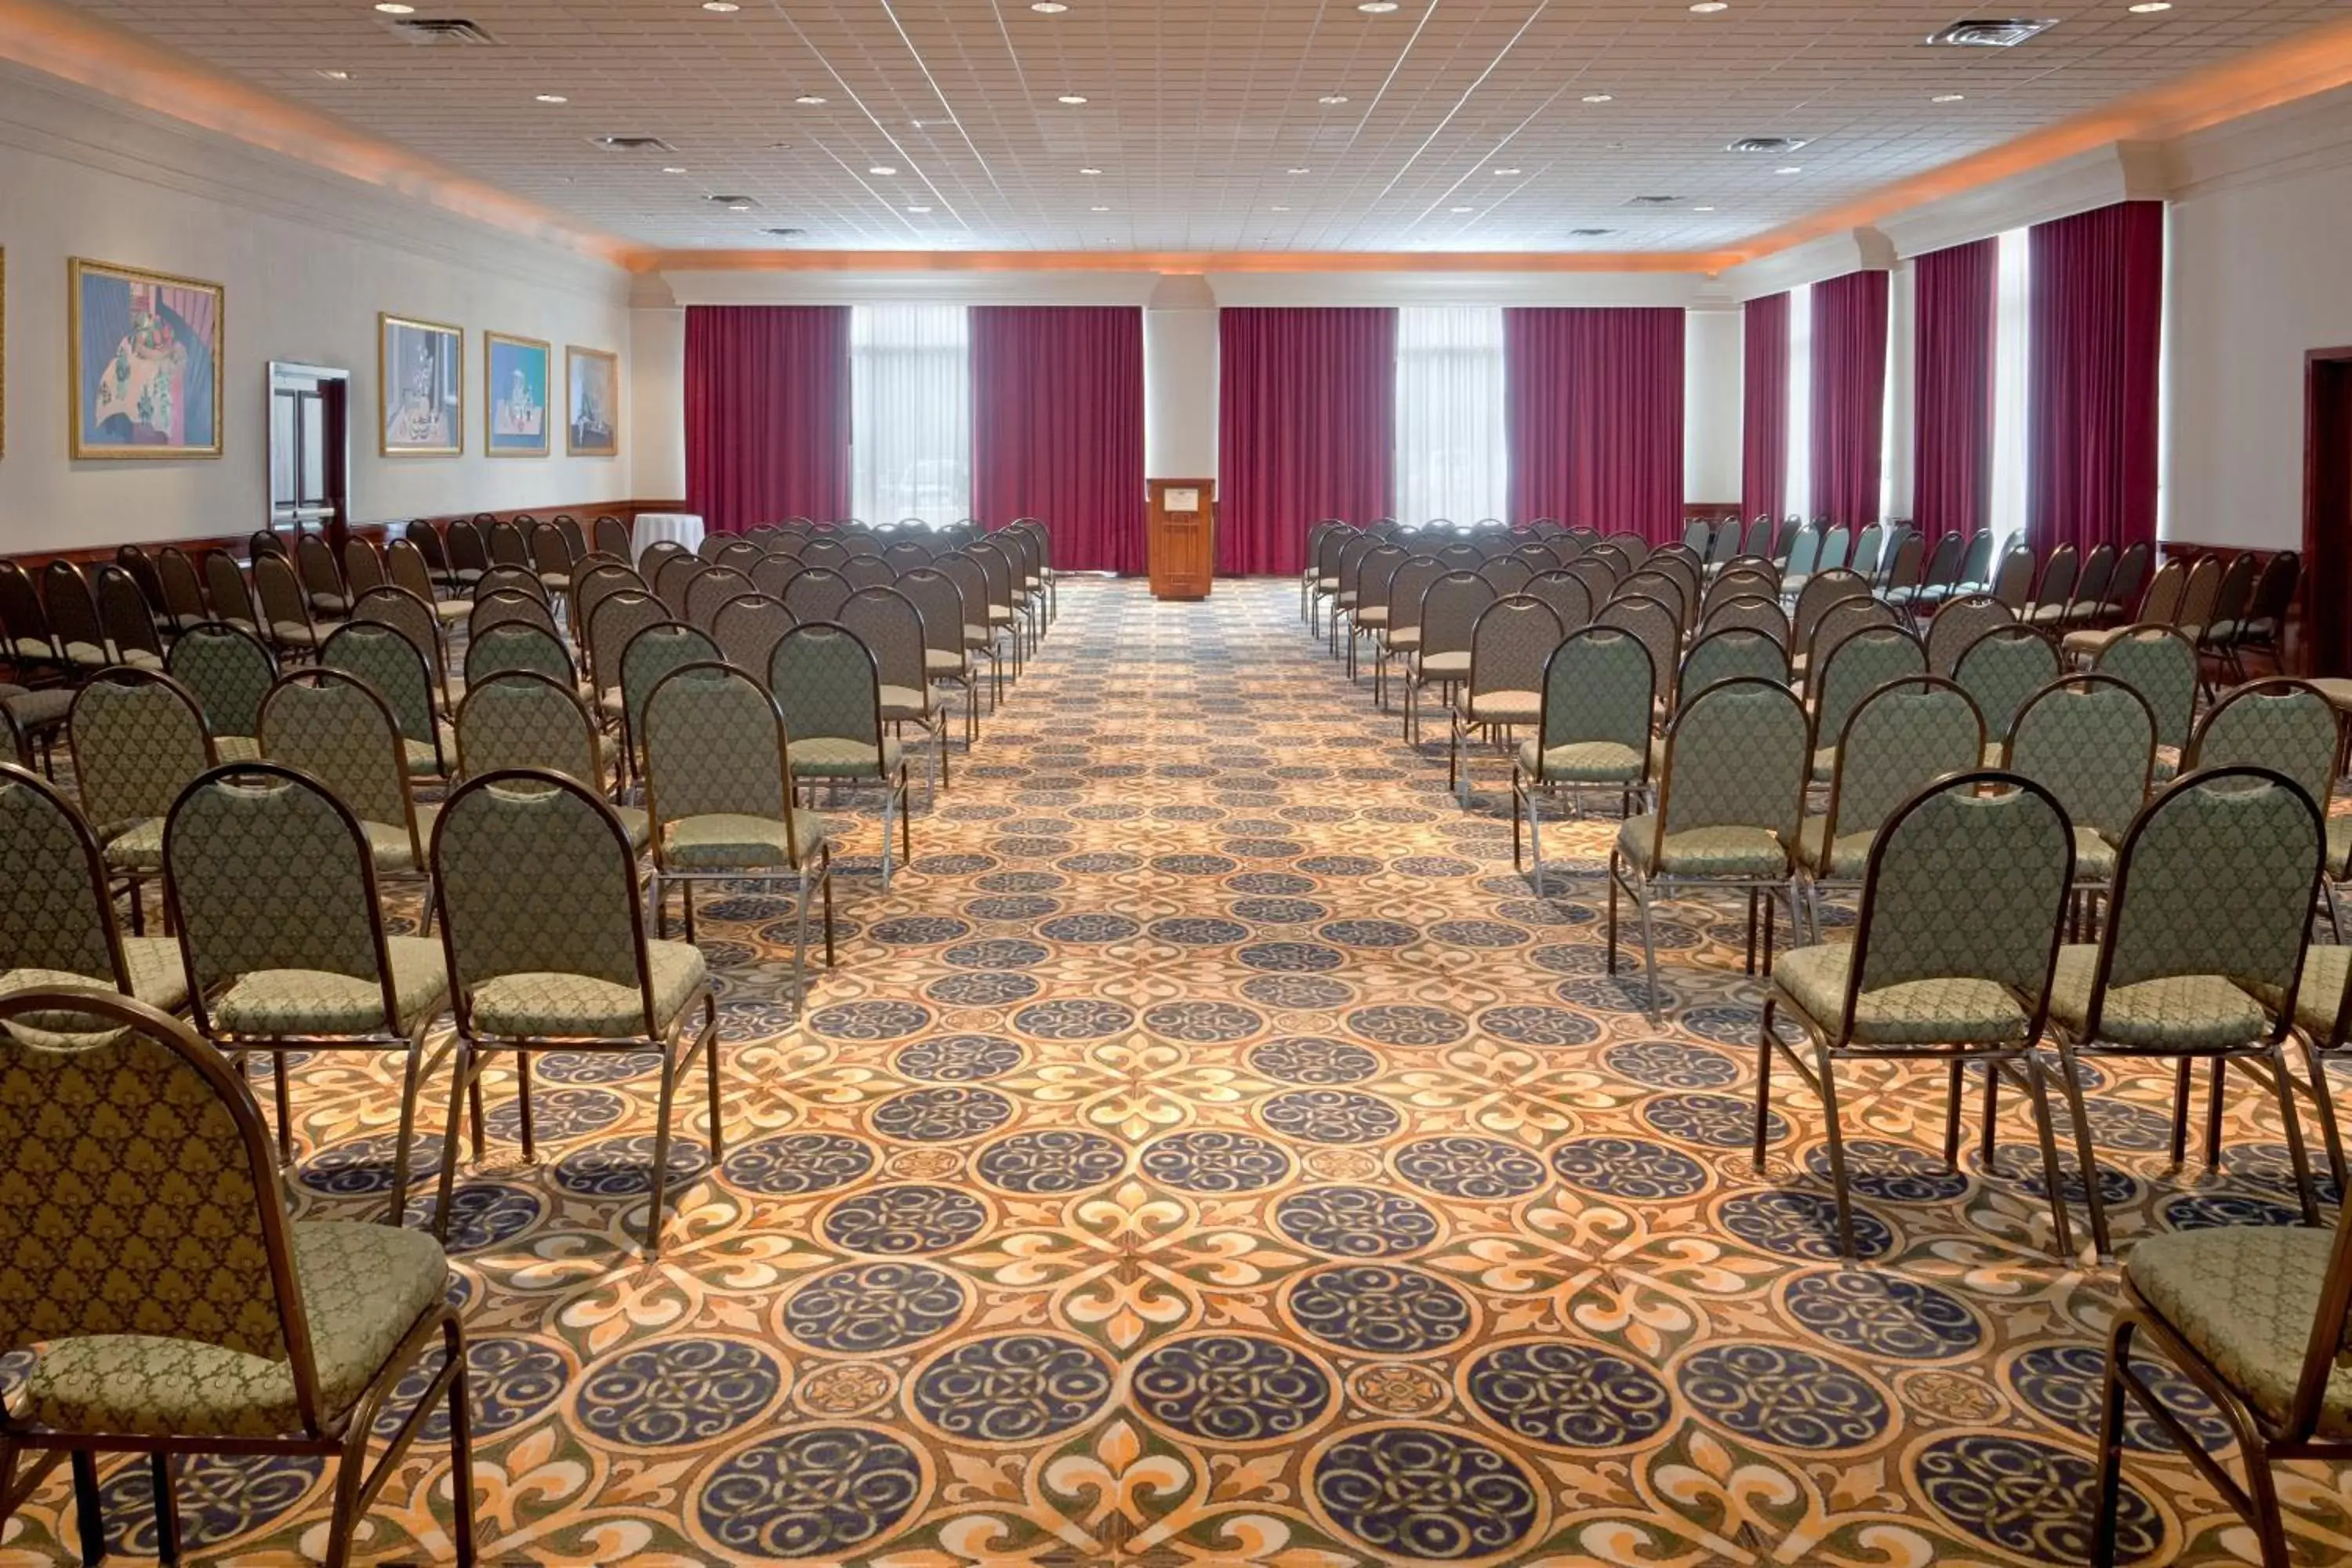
x=2012 y=292
x=1451 y=458
x=1797 y=499
x=910 y=413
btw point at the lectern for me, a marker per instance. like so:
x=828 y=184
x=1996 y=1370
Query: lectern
x=1183 y=538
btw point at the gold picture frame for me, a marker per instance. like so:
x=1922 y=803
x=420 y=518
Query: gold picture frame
x=428 y=418
x=579 y=366
x=144 y=359
x=518 y=407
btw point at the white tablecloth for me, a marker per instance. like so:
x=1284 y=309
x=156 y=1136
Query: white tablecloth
x=682 y=526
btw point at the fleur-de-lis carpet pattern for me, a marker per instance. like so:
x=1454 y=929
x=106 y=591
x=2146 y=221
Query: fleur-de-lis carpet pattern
x=1210 y=1151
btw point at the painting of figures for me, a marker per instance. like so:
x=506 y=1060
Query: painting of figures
x=420 y=387
x=517 y=375
x=593 y=404
x=144 y=350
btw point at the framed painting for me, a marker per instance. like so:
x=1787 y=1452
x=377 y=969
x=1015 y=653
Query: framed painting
x=515 y=372
x=592 y=402
x=144 y=353
x=420 y=388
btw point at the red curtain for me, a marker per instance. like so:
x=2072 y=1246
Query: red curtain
x=2091 y=394
x=1057 y=427
x=1305 y=421
x=1764 y=407
x=1849 y=388
x=767 y=413
x=1952 y=388
x=1595 y=412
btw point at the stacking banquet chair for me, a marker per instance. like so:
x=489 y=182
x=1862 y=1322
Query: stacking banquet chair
x=612 y=537
x=388 y=664
x=228 y=671
x=718 y=790
x=890 y=626
x=1398 y=637
x=321 y=578
x=773 y=571
x=516 y=580
x=520 y=719
x=711 y=589
x=413 y=619
x=286 y=618
x=2091 y=741
x=519 y=645
x=2160 y=664
x=652 y=653
x=182 y=589
x=1958 y=624
x=2000 y=669
x=2260 y=628
x=127 y=618
x=1730 y=653
x=746 y=630
x=545 y=940
x=2289 y=725
x=2213 y=894
x=978 y=639
x=1730 y=797
x=1963 y=893
x=1568 y=598
x=1599 y=691
x=273 y=889
x=333 y=726
x=1860 y=662
x=364 y=566
x=869 y=572
x=1899 y=739
x=1503 y=688
x=1009 y=606
x=58 y=926
x=830 y=690
x=946 y=662
x=404 y=565
x=1655 y=622
x=1320 y=580
x=230 y=592
x=816 y=594
x=73 y=619
x=1374 y=573
x=216 y=1323
x=137 y=739
x=1450 y=609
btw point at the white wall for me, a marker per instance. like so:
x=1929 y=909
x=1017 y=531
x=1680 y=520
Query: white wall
x=308 y=259
x=657 y=431
x=1711 y=407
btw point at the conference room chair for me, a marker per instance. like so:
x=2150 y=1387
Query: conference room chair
x=1565 y=547
x=1730 y=796
x=1539 y=558
x=979 y=638
x=1867 y=558
x=2213 y=891
x=499 y=606
x=906 y=555
x=182 y=589
x=612 y=537
x=710 y=590
x=1836 y=543
x=618 y=616
x=241 y=1332
x=135 y=559
x=550 y=555
x=1698 y=536
x=2090 y=587
x=719 y=790
x=1976 y=564
x=383 y=659
x=273 y=890
x=1898 y=737
x=2199 y=595
x=519 y=645
x=228 y=671
x=824 y=550
x=947 y=663
x=1450 y=609
x=1397 y=637
x=363 y=568
x=829 y=689
x=2265 y=620
x=334 y=726
x=1800 y=548
x=76 y=632
x=1565 y=593
x=1724 y=547
x=2160 y=664
x=545 y=940
x=658 y=554
x=653 y=652
x=774 y=572
x=432 y=547
x=575 y=538
x=1751 y=612
x=1374 y=573
x=745 y=630
x=509 y=542
x=2004 y=668
x=675 y=578
x=1038 y=576
x=57 y=924
x=2089 y=740
x=1741 y=579
x=2232 y=600
x=711 y=545
x=1963 y=895
x=521 y=719
x=816 y=594
x=1687 y=574
x=265 y=542
x=1012 y=608
x=738 y=554
x=138 y=737
x=288 y=621
x=869 y=572
x=1858 y=645
x=1821 y=592
x=2013 y=584
x=1666 y=587
x=890 y=626
x=321 y=578
x=405 y=566
x=2289 y=725
x=415 y=621
x=128 y=619
x=1958 y=624
x=1600 y=690
x=595 y=577
x=1660 y=628
x=1503 y=687
x=1729 y=653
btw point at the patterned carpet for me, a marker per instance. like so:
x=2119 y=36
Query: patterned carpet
x=1210 y=1152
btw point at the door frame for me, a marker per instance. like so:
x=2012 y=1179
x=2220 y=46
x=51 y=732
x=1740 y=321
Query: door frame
x=2319 y=366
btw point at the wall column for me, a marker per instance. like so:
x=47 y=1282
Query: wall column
x=1180 y=379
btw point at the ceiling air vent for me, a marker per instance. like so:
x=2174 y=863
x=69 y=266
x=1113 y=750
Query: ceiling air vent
x=1653 y=201
x=633 y=144
x=785 y=233
x=733 y=204
x=1991 y=33
x=439 y=30
x=1589 y=232
x=1768 y=144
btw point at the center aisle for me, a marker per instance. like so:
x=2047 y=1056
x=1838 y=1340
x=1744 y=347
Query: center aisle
x=1211 y=1141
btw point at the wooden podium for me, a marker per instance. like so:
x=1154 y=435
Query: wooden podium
x=1182 y=544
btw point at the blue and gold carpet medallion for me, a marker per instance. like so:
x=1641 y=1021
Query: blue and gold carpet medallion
x=1209 y=1153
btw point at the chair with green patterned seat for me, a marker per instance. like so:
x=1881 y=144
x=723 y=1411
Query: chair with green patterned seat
x=2160 y=664
x=1503 y=688
x=412 y=618
x=890 y=626
x=273 y=888
x=1900 y=738
x=1964 y=891
x=2213 y=893
x=2260 y=1318
x=1958 y=624
x=938 y=605
x=1732 y=653
x=1660 y=627
x=2000 y=669
x=518 y=645
x=525 y=719
x=830 y=690
x=405 y=564
x=652 y=653
x=617 y=616
x=288 y=620
x=57 y=915
x=387 y=662
x=1599 y=692
x=138 y=737
x=1450 y=609
x=334 y=726
x=1730 y=794
x=2288 y=725
x=1858 y=663
x=546 y=945
x=2090 y=739
x=718 y=790
x=190 y=1315
x=228 y=671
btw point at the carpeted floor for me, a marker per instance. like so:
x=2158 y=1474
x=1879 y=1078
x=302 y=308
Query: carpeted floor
x=1210 y=1152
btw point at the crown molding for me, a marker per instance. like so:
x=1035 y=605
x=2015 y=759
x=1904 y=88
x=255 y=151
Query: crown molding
x=2294 y=139
x=2119 y=172
x=1180 y=261
x=1830 y=256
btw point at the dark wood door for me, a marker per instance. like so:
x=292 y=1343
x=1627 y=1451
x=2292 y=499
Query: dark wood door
x=2327 y=511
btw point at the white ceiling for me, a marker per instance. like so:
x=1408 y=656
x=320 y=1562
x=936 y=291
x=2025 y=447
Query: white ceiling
x=1198 y=109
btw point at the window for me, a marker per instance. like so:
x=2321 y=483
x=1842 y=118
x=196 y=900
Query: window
x=910 y=413
x=1451 y=458
x=1796 y=496
x=2011 y=327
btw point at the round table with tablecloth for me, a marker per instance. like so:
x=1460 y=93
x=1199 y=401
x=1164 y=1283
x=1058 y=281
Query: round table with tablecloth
x=682 y=527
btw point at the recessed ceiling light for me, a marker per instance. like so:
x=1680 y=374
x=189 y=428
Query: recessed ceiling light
x=721 y=6
x=1377 y=7
x=394 y=8
x=1333 y=97
x=674 y=169
x=809 y=98
x=1599 y=98
x=918 y=209
x=336 y=75
x=2149 y=7
x=553 y=98
x=1074 y=98
x=1702 y=209
x=1950 y=98
x=881 y=169
x=1506 y=171
x=739 y=206
x=1090 y=170
x=1465 y=210
x=1790 y=169
x=1709 y=7
x=1048 y=7
x=1281 y=209
x=1098 y=210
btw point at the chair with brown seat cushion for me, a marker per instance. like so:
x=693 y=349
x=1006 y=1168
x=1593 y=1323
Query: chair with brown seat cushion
x=546 y=947
x=190 y=1314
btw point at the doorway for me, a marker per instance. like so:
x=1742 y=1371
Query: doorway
x=309 y=450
